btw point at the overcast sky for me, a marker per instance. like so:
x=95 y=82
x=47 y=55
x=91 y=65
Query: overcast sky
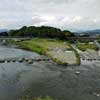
x=64 y=14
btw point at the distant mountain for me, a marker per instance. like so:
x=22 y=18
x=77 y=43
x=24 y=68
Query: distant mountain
x=89 y=32
x=3 y=30
x=97 y=31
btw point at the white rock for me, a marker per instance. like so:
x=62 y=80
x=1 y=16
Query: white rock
x=77 y=73
x=97 y=95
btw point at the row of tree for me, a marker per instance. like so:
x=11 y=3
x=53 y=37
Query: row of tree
x=43 y=32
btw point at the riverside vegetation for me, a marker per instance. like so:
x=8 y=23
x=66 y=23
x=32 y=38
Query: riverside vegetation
x=38 y=98
x=58 y=50
x=85 y=46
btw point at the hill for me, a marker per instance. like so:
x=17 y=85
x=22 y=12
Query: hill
x=42 y=32
x=3 y=30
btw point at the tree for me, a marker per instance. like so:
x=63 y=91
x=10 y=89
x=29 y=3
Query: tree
x=42 y=32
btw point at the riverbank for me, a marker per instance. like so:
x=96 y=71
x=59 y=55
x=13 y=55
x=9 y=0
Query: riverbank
x=84 y=46
x=59 y=51
x=38 y=98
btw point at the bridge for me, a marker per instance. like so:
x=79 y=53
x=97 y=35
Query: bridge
x=3 y=38
x=14 y=38
x=28 y=38
x=82 y=38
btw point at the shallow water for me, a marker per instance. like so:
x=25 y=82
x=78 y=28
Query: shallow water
x=47 y=78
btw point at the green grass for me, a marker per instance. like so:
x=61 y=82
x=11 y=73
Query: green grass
x=41 y=45
x=47 y=47
x=99 y=40
x=85 y=46
x=38 y=98
x=32 y=47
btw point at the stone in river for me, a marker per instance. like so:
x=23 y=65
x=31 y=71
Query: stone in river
x=77 y=73
x=30 y=61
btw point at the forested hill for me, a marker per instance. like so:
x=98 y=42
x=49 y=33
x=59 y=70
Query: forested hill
x=43 y=31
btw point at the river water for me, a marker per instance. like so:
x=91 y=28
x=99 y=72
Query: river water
x=46 y=78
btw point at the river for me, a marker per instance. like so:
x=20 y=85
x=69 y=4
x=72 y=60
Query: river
x=47 y=78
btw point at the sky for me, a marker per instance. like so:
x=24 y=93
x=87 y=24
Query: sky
x=63 y=14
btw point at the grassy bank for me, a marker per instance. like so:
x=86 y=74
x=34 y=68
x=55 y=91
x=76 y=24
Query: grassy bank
x=60 y=51
x=85 y=46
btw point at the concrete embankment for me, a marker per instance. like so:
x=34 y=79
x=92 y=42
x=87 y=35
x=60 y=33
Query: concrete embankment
x=89 y=55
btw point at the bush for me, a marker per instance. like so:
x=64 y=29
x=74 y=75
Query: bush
x=38 y=98
x=86 y=46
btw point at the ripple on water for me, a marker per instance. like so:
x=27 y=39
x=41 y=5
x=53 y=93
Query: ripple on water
x=47 y=78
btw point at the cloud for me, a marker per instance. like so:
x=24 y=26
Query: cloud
x=64 y=14
x=66 y=22
x=77 y=19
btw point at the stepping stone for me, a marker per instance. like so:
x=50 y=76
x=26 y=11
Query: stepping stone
x=2 y=61
x=30 y=61
x=77 y=73
x=20 y=60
